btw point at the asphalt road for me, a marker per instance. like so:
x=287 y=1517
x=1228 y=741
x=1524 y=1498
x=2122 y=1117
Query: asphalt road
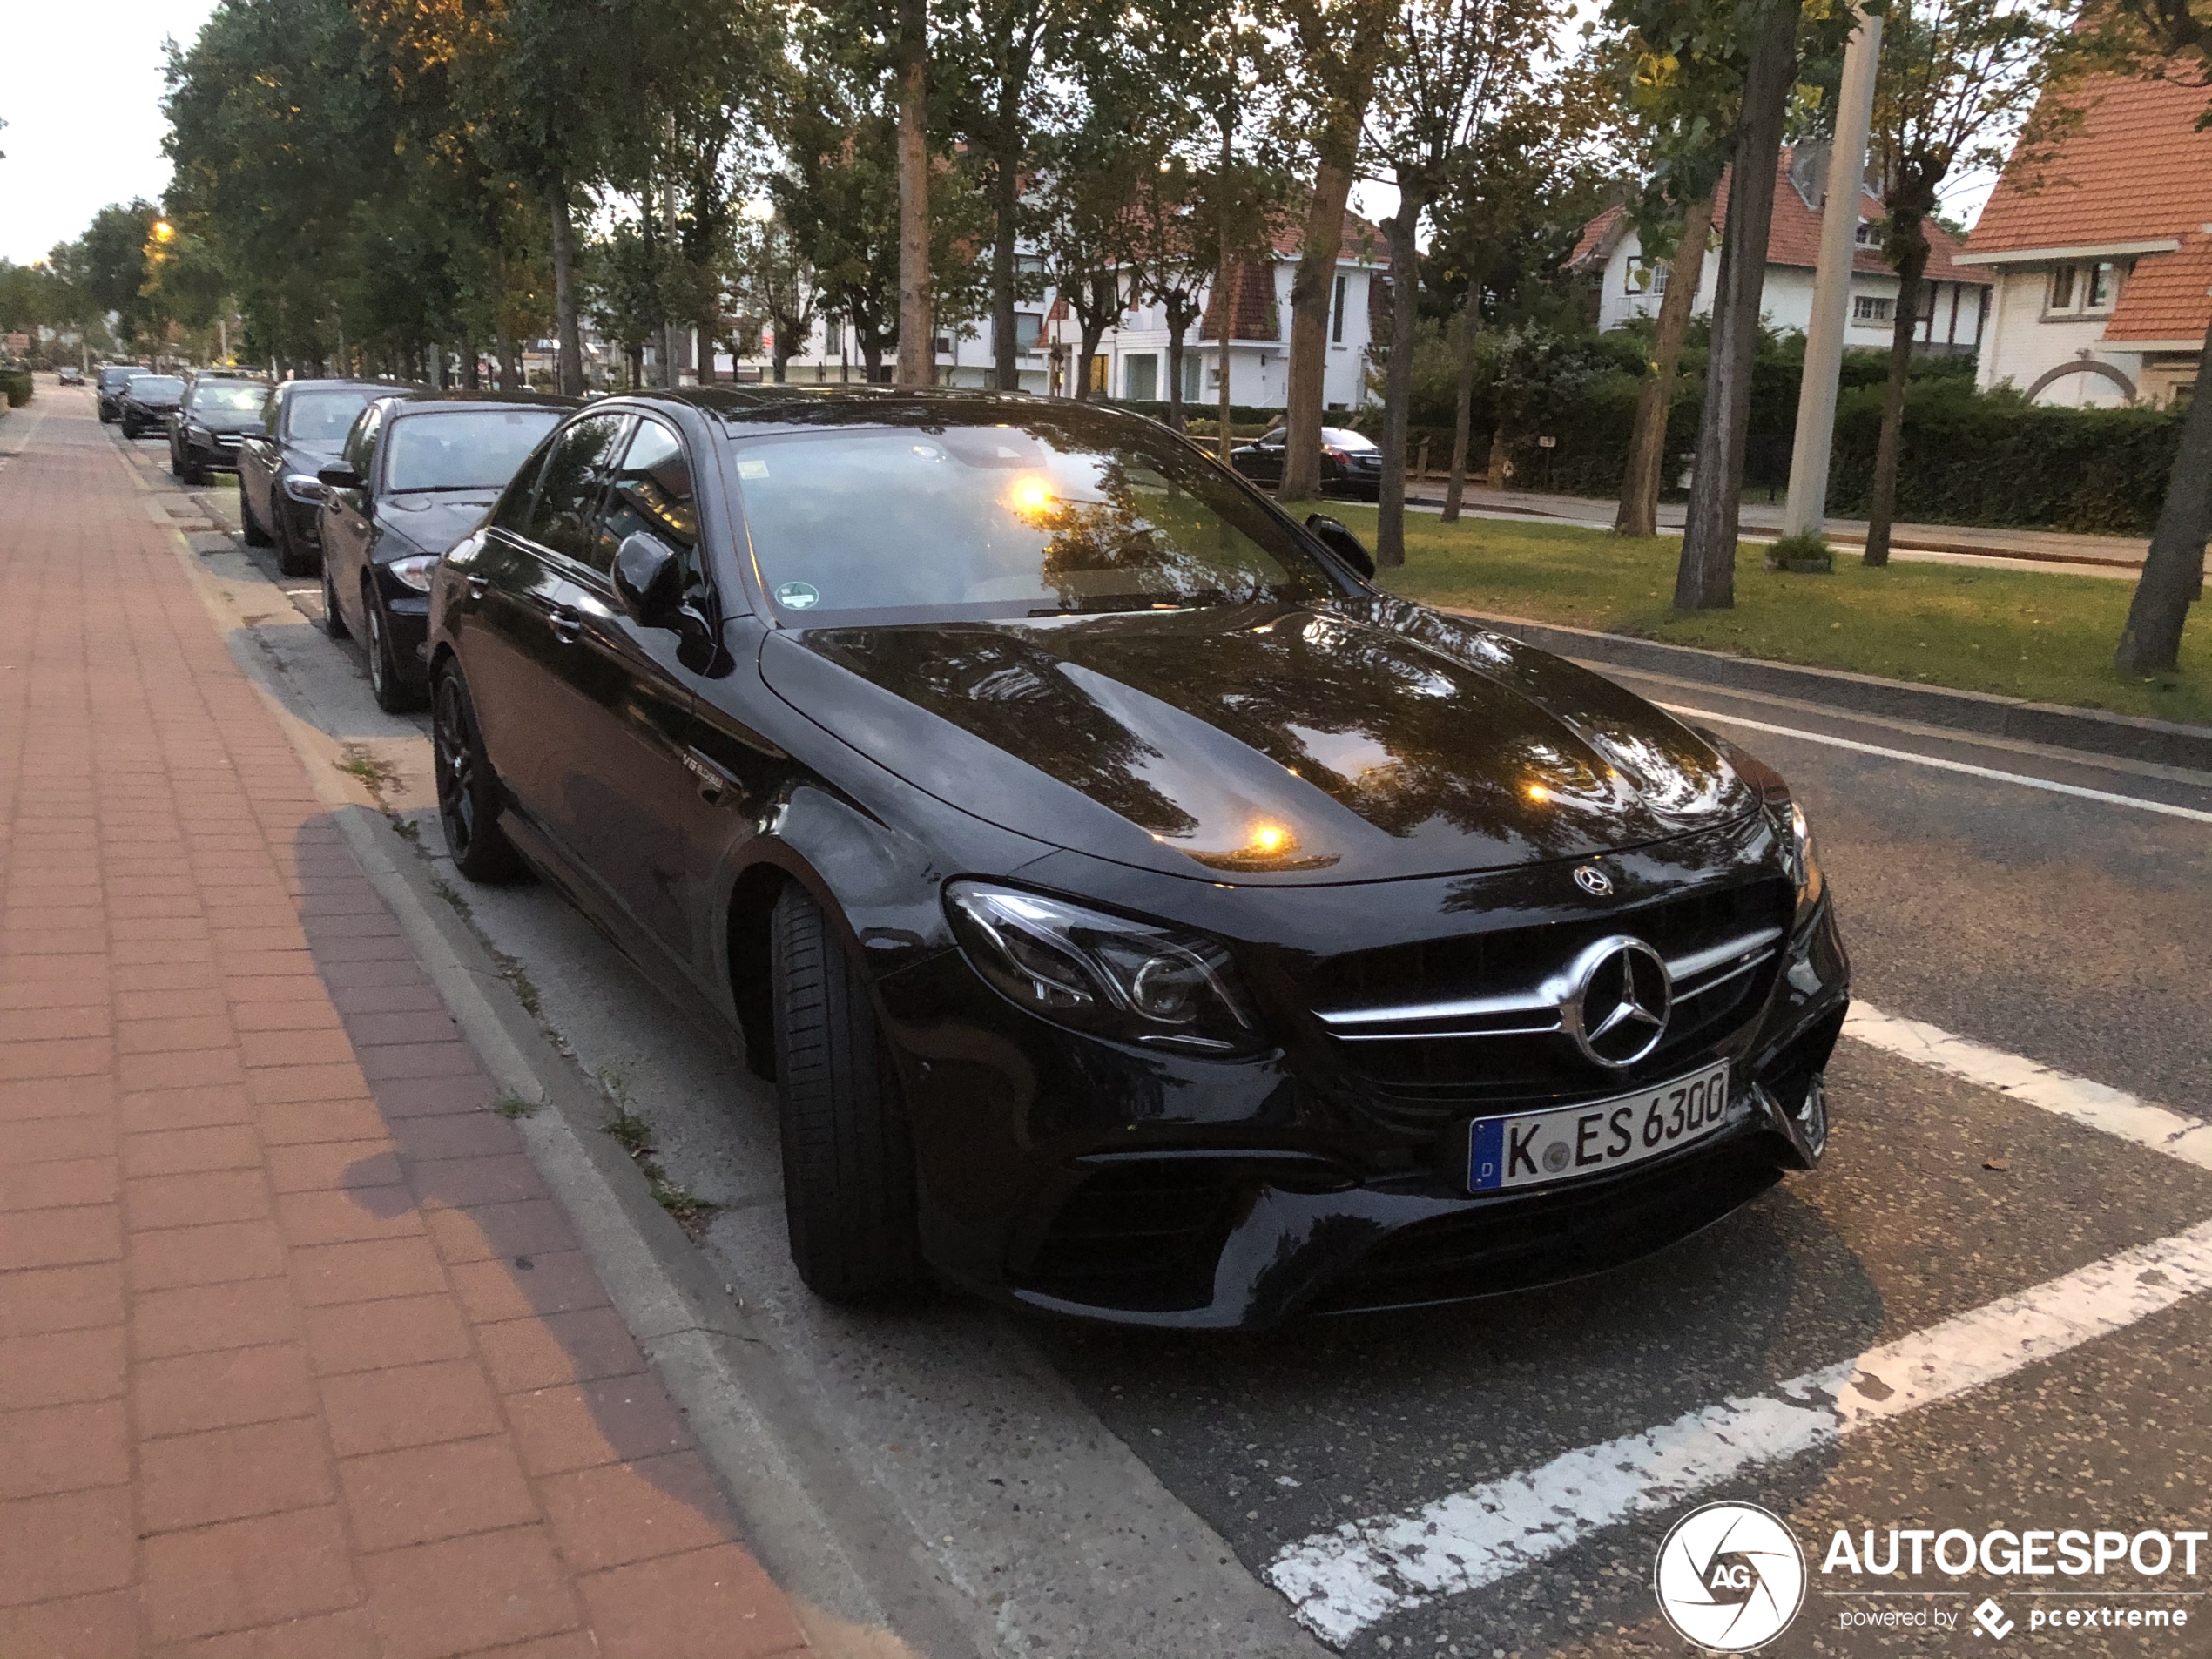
x=1046 y=1470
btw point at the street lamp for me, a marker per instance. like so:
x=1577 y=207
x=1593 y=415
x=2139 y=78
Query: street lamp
x=164 y=230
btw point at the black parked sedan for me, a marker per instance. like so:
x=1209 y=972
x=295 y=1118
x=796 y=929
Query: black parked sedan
x=147 y=402
x=1351 y=462
x=415 y=475
x=1144 y=917
x=217 y=412
x=109 y=393
x=279 y=494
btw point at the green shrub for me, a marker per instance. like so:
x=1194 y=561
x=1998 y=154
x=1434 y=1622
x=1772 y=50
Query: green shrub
x=15 y=383
x=1807 y=550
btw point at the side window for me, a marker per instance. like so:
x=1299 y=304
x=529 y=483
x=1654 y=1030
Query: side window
x=360 y=442
x=652 y=491
x=512 y=511
x=272 y=416
x=569 y=489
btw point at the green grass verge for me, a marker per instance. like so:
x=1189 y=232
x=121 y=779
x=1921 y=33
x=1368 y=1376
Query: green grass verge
x=2022 y=633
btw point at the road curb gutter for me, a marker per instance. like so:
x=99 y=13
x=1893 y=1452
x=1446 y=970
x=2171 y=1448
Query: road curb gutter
x=2165 y=742
x=854 y=1578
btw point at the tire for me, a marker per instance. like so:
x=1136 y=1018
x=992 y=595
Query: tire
x=469 y=800
x=291 y=560
x=386 y=680
x=848 y=1164
x=333 y=620
x=130 y=429
x=250 y=526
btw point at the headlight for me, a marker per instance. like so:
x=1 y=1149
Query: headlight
x=303 y=486
x=1804 y=862
x=416 y=570
x=1131 y=981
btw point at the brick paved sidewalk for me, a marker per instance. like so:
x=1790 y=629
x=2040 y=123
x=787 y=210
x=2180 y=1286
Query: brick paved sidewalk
x=297 y=1355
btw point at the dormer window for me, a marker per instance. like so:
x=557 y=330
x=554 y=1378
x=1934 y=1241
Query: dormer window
x=2062 y=287
x=2091 y=286
x=2102 y=285
x=1869 y=234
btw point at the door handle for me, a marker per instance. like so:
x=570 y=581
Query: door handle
x=478 y=586
x=566 y=624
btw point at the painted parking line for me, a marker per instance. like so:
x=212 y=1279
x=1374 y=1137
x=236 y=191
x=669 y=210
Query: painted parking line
x=1339 y=1583
x=1342 y=1581
x=2105 y=796
x=2092 y=1104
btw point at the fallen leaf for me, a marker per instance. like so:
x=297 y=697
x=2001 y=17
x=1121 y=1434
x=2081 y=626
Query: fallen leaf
x=1997 y=1164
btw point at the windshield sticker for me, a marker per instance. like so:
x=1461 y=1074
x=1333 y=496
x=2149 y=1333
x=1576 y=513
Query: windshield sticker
x=797 y=596
x=753 y=467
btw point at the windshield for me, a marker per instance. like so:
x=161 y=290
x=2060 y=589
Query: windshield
x=1062 y=513
x=157 y=386
x=324 y=417
x=462 y=449
x=242 y=397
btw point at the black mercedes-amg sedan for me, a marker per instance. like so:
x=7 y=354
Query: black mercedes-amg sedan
x=415 y=475
x=215 y=415
x=1142 y=916
x=280 y=497
x=108 y=390
x=146 y=403
x=1351 y=462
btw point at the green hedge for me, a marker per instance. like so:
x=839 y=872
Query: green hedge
x=15 y=383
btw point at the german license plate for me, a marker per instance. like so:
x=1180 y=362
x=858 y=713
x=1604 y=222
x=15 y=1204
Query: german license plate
x=1535 y=1147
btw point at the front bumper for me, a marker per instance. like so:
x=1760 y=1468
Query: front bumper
x=212 y=452
x=1087 y=1178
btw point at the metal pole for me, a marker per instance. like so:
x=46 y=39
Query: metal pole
x=1808 y=503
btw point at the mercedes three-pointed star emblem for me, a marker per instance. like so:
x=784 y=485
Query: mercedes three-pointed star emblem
x=1622 y=997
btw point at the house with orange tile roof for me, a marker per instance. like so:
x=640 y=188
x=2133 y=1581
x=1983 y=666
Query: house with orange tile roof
x=2103 y=256
x=1954 y=295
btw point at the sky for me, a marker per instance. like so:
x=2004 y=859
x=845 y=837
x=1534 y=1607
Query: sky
x=80 y=89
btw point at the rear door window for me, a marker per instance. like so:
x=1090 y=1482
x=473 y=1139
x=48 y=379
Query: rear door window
x=563 y=515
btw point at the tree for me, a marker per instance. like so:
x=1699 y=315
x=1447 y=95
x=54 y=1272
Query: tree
x=1340 y=48
x=1452 y=66
x=1086 y=208
x=1640 y=482
x=917 y=325
x=1957 y=79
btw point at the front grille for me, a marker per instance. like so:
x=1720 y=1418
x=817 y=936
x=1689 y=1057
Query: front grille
x=1444 y=1029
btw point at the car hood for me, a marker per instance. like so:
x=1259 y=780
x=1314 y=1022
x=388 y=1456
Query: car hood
x=1361 y=740
x=227 y=420
x=434 y=523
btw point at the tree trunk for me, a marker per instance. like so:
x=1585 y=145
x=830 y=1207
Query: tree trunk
x=1706 y=579
x=1882 y=497
x=1639 y=514
x=472 y=373
x=1463 y=400
x=917 y=358
x=1178 y=326
x=705 y=329
x=1092 y=333
x=1006 y=192
x=2174 y=571
x=565 y=326
x=1225 y=326
x=1311 y=288
x=1398 y=375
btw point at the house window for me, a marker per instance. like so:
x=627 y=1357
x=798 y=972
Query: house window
x=1867 y=308
x=1645 y=279
x=1190 y=372
x=833 y=336
x=1141 y=378
x=1098 y=370
x=1336 y=310
x=1869 y=234
x=1658 y=280
x=2061 y=288
x=1029 y=325
x=2099 y=282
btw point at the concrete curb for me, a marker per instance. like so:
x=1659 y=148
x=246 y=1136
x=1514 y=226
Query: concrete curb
x=2164 y=743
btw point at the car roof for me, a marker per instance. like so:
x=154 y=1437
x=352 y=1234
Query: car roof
x=767 y=407
x=349 y=386
x=410 y=401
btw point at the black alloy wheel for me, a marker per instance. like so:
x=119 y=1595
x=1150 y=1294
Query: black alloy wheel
x=848 y=1164
x=468 y=789
x=394 y=694
x=292 y=559
x=190 y=472
x=250 y=525
x=333 y=619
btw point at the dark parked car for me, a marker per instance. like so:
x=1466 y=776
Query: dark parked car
x=113 y=378
x=415 y=475
x=147 y=402
x=217 y=412
x=1351 y=462
x=302 y=430
x=69 y=374
x=1142 y=916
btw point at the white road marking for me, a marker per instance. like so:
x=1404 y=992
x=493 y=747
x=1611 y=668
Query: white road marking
x=2092 y=1104
x=2106 y=796
x=1340 y=1582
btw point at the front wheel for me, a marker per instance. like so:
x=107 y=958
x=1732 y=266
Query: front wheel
x=292 y=558
x=848 y=1164
x=467 y=789
x=249 y=522
x=394 y=694
x=333 y=619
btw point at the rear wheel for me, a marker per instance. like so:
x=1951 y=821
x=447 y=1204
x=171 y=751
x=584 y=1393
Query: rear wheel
x=848 y=1166
x=468 y=789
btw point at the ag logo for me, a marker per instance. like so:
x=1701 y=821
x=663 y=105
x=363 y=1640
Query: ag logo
x=1730 y=1577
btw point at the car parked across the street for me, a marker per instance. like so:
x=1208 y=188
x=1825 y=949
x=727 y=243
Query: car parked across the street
x=280 y=496
x=1144 y=917
x=147 y=402
x=415 y=475
x=69 y=374
x=113 y=378
x=1351 y=462
x=214 y=416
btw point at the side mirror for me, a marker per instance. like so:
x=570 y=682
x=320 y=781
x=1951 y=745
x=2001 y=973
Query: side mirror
x=649 y=580
x=1333 y=535
x=339 y=475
